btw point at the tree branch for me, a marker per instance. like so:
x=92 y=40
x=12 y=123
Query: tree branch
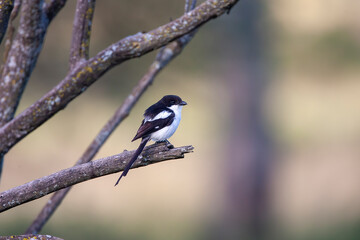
x=53 y=8
x=164 y=56
x=43 y=186
x=81 y=32
x=10 y=34
x=88 y=72
x=6 y=7
x=22 y=57
x=22 y=54
x=30 y=236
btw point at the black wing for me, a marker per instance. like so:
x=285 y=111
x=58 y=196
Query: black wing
x=154 y=110
x=149 y=127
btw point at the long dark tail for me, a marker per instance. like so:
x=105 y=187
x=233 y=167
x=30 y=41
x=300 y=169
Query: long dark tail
x=133 y=159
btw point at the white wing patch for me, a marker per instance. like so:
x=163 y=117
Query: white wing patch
x=161 y=115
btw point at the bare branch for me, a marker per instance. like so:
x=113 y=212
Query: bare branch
x=6 y=7
x=30 y=236
x=23 y=54
x=53 y=8
x=81 y=31
x=162 y=59
x=43 y=186
x=22 y=57
x=88 y=72
x=187 y=6
x=9 y=38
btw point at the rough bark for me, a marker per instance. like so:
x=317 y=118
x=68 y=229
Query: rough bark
x=30 y=237
x=6 y=7
x=80 y=173
x=53 y=7
x=81 y=32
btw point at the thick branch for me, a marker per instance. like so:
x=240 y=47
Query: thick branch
x=88 y=72
x=81 y=31
x=30 y=236
x=6 y=7
x=71 y=176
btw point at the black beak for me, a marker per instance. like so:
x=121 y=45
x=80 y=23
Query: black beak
x=183 y=103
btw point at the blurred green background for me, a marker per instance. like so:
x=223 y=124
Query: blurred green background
x=272 y=90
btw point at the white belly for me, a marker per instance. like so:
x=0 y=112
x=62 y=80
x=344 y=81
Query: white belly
x=168 y=131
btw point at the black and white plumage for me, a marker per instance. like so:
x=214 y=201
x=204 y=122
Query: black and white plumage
x=160 y=122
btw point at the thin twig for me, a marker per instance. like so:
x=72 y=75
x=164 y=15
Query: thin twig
x=187 y=5
x=43 y=186
x=164 y=56
x=79 y=50
x=88 y=72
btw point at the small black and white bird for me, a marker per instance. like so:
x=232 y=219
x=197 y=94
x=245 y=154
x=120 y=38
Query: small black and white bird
x=160 y=122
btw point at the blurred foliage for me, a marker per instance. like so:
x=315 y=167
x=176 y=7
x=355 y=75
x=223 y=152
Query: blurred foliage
x=311 y=107
x=337 y=49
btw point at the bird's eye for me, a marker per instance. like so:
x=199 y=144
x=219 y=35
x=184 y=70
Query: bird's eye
x=172 y=102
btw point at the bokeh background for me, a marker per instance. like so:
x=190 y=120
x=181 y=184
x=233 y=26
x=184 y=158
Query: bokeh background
x=273 y=112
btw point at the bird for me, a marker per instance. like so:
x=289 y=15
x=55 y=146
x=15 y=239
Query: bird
x=160 y=122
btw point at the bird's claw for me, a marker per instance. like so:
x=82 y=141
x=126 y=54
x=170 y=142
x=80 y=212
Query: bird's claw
x=168 y=144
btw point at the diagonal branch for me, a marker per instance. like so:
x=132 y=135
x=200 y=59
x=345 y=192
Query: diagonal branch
x=74 y=175
x=6 y=7
x=164 y=56
x=88 y=72
x=53 y=8
x=81 y=32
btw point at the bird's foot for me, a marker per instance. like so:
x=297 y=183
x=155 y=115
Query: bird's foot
x=168 y=144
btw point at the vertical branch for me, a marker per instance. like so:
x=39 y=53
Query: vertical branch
x=81 y=31
x=6 y=7
x=10 y=35
x=22 y=57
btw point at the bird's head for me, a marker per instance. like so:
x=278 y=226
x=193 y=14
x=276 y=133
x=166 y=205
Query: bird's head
x=172 y=101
